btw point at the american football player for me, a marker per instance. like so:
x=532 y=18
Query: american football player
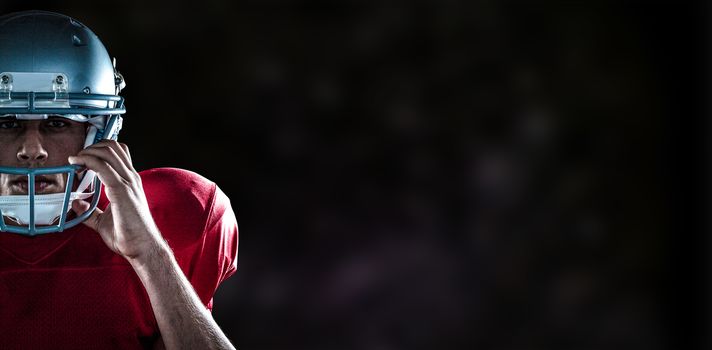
x=93 y=253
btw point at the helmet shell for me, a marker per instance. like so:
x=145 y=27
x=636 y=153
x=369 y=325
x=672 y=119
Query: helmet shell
x=48 y=42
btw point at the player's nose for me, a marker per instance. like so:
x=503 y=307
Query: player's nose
x=31 y=151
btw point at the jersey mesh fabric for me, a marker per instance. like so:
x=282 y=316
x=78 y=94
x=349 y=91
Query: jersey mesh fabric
x=69 y=291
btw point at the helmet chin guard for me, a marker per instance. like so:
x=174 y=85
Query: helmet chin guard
x=51 y=64
x=28 y=211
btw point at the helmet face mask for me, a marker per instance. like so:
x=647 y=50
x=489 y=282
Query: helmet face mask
x=53 y=66
x=32 y=213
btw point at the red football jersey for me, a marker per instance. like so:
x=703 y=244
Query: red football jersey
x=67 y=290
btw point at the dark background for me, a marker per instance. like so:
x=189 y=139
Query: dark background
x=435 y=174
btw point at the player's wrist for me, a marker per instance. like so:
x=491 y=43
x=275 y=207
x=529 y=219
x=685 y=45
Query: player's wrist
x=156 y=253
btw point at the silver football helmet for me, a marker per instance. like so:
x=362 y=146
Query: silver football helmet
x=52 y=65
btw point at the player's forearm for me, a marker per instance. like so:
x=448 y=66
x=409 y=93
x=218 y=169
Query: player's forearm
x=182 y=319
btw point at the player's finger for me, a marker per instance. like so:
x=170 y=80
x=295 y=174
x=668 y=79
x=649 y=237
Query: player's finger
x=103 y=170
x=126 y=150
x=80 y=207
x=120 y=151
x=108 y=155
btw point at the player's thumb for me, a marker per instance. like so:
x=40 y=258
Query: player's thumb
x=80 y=207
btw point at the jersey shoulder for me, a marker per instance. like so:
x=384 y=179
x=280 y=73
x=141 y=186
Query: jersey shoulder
x=181 y=202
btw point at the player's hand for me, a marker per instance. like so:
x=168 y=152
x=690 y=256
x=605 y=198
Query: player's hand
x=126 y=226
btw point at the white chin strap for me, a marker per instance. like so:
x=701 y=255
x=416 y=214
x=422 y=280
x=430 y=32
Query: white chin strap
x=48 y=207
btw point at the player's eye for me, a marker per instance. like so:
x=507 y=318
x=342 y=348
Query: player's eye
x=9 y=124
x=56 y=123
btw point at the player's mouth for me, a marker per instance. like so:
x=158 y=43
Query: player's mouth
x=44 y=184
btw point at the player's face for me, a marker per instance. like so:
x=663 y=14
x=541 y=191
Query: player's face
x=36 y=144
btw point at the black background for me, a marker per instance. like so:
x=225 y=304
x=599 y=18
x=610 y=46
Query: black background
x=435 y=174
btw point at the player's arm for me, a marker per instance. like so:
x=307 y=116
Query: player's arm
x=184 y=321
x=128 y=229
